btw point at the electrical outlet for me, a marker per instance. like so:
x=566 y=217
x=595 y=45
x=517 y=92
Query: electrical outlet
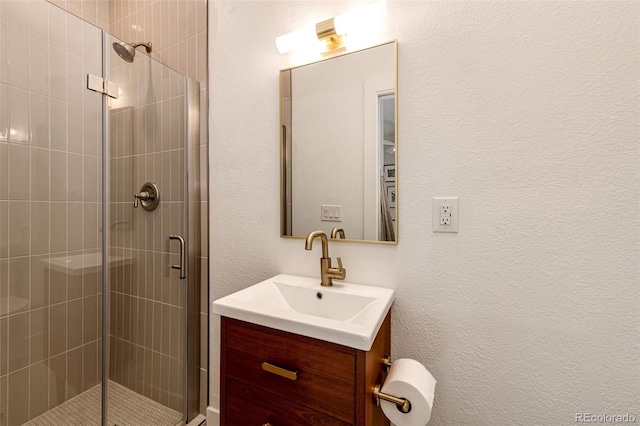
x=445 y=214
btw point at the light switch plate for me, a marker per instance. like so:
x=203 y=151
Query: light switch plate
x=445 y=214
x=331 y=213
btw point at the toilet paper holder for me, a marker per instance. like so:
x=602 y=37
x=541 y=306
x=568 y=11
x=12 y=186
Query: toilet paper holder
x=403 y=404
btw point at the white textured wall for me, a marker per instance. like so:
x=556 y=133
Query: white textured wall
x=528 y=111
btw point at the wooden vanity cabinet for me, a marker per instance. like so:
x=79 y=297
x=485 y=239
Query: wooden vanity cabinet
x=333 y=384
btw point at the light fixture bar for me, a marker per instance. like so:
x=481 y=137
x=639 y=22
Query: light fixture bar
x=332 y=31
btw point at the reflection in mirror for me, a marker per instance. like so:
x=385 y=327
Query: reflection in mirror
x=338 y=146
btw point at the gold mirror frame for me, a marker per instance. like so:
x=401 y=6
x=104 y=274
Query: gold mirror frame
x=285 y=154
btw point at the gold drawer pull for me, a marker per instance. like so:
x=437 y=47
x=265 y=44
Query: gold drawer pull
x=282 y=372
x=267 y=424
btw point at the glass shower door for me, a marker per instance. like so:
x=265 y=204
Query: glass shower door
x=50 y=217
x=147 y=289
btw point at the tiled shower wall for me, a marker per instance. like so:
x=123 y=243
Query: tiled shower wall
x=50 y=215
x=178 y=31
x=95 y=12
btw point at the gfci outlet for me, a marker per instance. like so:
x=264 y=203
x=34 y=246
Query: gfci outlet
x=445 y=214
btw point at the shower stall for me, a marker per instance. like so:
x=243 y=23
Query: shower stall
x=99 y=230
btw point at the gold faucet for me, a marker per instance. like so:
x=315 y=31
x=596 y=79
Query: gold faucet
x=337 y=233
x=327 y=273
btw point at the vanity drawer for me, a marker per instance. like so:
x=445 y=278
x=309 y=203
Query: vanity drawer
x=325 y=379
x=246 y=405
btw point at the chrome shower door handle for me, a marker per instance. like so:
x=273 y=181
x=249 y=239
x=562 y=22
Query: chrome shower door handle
x=181 y=266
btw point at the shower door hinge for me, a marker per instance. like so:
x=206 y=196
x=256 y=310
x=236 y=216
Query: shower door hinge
x=102 y=85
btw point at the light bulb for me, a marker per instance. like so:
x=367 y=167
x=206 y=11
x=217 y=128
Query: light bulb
x=296 y=39
x=364 y=16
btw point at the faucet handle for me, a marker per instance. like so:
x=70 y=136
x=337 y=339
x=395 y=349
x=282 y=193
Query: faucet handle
x=340 y=272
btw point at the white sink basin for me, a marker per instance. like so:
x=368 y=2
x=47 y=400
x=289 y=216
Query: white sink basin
x=347 y=314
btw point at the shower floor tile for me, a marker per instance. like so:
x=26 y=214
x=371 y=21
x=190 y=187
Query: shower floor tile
x=126 y=408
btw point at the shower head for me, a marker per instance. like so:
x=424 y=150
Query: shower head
x=127 y=51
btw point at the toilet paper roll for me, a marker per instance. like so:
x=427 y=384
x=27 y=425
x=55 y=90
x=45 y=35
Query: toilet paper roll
x=409 y=379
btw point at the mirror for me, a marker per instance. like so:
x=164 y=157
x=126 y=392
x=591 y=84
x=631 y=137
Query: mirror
x=338 y=146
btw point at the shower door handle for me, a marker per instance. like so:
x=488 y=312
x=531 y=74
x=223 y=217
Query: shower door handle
x=181 y=266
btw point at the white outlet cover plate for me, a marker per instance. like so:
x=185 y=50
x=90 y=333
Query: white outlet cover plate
x=452 y=202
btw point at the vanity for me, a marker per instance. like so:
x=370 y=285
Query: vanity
x=298 y=351
x=294 y=353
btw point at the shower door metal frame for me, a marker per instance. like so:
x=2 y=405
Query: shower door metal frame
x=192 y=220
x=106 y=178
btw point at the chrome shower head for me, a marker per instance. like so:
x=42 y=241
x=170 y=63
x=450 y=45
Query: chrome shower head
x=127 y=51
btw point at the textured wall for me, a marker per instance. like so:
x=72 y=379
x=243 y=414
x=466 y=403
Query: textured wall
x=528 y=111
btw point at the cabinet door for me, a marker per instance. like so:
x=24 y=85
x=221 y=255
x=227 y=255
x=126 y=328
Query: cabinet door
x=248 y=406
x=325 y=379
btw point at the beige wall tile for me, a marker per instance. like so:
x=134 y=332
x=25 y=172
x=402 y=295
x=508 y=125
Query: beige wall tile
x=39 y=282
x=57 y=287
x=18 y=398
x=90 y=366
x=40 y=228
x=19 y=178
x=4 y=347
x=126 y=318
x=18 y=341
x=19 y=232
x=38 y=389
x=57 y=380
x=177 y=332
x=39 y=119
x=3 y=395
x=164 y=380
x=58 y=74
x=91 y=283
x=113 y=365
x=156 y=372
x=74 y=285
x=175 y=384
x=58 y=176
x=19 y=280
x=4 y=229
x=90 y=226
x=89 y=319
x=148 y=373
x=58 y=330
x=39 y=174
x=74 y=323
x=74 y=226
x=4 y=170
x=74 y=372
x=58 y=231
x=39 y=335
x=75 y=177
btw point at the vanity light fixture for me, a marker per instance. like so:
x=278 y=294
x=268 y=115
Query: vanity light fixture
x=331 y=32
